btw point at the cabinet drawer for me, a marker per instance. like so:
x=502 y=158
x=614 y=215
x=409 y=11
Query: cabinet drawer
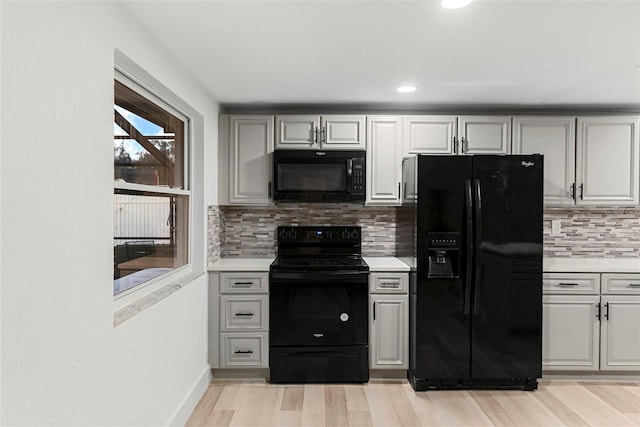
x=388 y=283
x=240 y=282
x=244 y=349
x=571 y=283
x=617 y=283
x=244 y=312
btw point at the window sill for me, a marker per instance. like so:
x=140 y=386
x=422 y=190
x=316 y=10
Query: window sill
x=130 y=310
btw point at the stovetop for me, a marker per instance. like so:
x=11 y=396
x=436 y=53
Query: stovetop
x=328 y=262
x=326 y=248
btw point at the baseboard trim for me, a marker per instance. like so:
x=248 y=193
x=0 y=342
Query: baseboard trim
x=591 y=376
x=184 y=411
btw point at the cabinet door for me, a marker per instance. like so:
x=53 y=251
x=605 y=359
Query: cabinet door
x=555 y=138
x=484 y=134
x=570 y=333
x=298 y=132
x=429 y=134
x=619 y=333
x=608 y=157
x=389 y=331
x=343 y=133
x=384 y=160
x=250 y=150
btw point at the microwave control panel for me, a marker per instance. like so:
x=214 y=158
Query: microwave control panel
x=357 y=184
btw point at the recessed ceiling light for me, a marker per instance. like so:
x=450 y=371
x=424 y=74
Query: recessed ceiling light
x=406 y=89
x=454 y=4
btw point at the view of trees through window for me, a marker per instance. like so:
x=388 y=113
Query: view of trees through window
x=150 y=199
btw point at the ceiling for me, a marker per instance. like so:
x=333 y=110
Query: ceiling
x=538 y=54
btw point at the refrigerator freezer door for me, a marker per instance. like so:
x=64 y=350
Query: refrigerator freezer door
x=440 y=337
x=507 y=312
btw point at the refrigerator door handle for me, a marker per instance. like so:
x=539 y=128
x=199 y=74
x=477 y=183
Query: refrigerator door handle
x=478 y=243
x=468 y=198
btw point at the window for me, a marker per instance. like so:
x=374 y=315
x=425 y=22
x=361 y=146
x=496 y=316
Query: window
x=151 y=194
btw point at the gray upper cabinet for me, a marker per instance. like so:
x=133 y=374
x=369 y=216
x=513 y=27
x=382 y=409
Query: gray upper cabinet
x=484 y=134
x=554 y=137
x=246 y=147
x=384 y=160
x=429 y=134
x=313 y=132
x=607 y=161
x=435 y=134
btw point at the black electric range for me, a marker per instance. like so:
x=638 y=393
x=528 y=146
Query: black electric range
x=318 y=306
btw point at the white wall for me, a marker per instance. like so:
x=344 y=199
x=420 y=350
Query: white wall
x=63 y=362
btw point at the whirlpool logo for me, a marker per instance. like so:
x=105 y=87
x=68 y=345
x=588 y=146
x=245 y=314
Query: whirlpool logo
x=527 y=164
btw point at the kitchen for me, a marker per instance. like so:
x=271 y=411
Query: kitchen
x=59 y=344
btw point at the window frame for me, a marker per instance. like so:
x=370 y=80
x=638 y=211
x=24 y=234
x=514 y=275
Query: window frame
x=138 y=80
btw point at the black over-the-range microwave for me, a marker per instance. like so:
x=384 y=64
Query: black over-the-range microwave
x=319 y=176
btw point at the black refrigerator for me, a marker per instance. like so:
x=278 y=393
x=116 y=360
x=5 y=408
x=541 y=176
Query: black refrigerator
x=470 y=227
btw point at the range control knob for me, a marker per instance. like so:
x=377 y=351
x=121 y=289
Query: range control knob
x=355 y=234
x=293 y=234
x=283 y=233
x=345 y=234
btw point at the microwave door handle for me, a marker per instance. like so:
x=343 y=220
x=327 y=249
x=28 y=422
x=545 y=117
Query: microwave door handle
x=350 y=175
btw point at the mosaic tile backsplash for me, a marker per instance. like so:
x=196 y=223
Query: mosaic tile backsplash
x=248 y=231
x=593 y=233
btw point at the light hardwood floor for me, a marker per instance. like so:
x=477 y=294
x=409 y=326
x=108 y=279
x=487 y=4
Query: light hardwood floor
x=394 y=403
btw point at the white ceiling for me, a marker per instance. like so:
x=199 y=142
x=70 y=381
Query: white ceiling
x=539 y=53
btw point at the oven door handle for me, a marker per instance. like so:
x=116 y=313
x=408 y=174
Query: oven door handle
x=314 y=276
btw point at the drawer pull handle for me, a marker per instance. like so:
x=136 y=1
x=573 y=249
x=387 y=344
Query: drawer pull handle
x=242 y=284
x=244 y=314
x=243 y=352
x=567 y=284
x=389 y=284
x=634 y=285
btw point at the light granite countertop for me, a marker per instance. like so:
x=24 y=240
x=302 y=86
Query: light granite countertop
x=550 y=265
x=262 y=264
x=591 y=265
x=241 y=264
x=385 y=264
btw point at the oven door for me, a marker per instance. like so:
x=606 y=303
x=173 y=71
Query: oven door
x=312 y=308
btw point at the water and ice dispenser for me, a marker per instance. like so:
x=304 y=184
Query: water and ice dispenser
x=443 y=249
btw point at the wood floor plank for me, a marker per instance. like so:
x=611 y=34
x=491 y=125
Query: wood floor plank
x=360 y=419
x=395 y=403
x=356 y=398
x=595 y=411
x=564 y=413
x=206 y=406
x=292 y=398
x=524 y=409
x=220 y=418
x=228 y=399
x=313 y=406
x=492 y=409
x=335 y=410
x=382 y=413
x=457 y=407
x=618 y=398
x=424 y=407
x=402 y=406
x=251 y=405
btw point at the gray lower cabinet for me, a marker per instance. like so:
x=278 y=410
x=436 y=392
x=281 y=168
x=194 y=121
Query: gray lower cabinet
x=240 y=324
x=571 y=338
x=590 y=322
x=388 y=320
x=620 y=322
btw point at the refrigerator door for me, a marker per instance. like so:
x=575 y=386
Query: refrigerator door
x=507 y=301
x=440 y=336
